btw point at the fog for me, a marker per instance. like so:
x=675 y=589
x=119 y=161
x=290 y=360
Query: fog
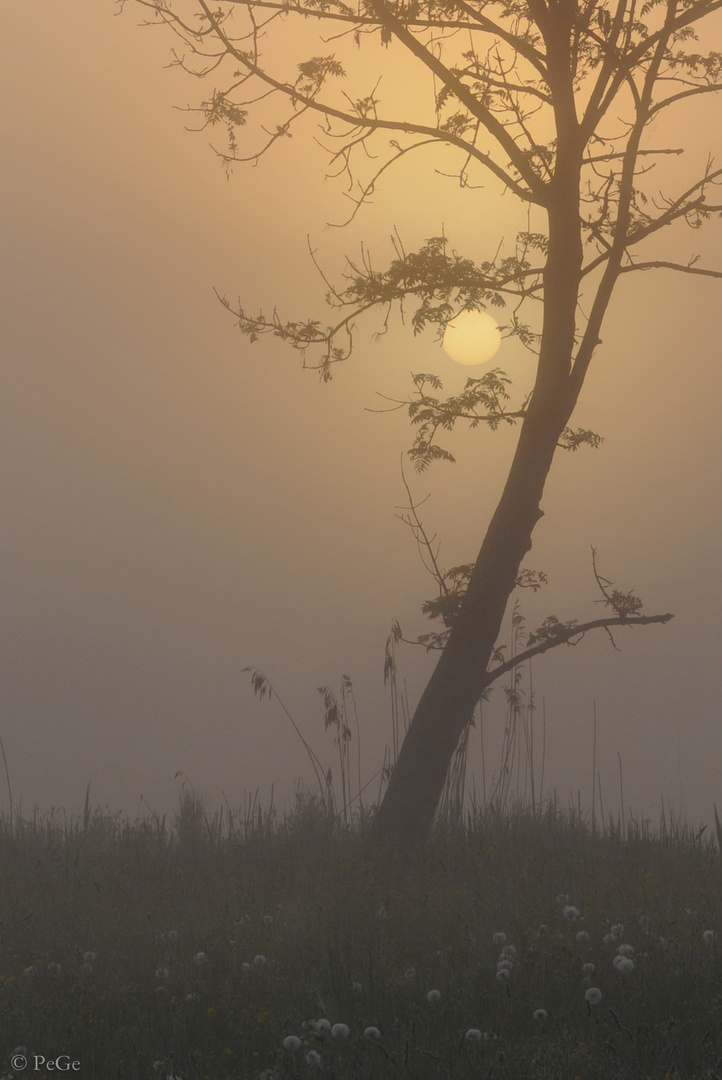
x=179 y=504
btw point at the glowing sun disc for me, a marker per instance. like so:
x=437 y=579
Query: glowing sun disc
x=473 y=337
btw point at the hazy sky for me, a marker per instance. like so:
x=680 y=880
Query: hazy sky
x=178 y=504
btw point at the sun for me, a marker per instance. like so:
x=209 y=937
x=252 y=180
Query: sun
x=472 y=338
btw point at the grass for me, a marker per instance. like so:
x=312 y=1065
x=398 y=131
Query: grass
x=194 y=948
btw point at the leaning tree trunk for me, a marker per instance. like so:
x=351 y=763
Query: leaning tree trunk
x=449 y=700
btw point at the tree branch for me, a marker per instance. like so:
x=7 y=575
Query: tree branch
x=566 y=636
x=373 y=123
x=660 y=264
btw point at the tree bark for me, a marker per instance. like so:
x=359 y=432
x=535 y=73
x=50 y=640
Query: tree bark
x=448 y=702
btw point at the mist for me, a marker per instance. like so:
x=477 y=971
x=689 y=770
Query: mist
x=180 y=504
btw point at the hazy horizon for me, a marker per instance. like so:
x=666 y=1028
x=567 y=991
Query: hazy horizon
x=180 y=504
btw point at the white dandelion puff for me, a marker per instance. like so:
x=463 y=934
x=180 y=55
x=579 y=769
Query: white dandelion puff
x=593 y=995
x=433 y=995
x=340 y=1031
x=200 y=959
x=708 y=937
x=292 y=1043
x=540 y=1014
x=372 y=1033
x=473 y=1035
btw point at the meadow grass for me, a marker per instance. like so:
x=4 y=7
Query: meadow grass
x=212 y=946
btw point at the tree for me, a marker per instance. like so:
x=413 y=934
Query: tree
x=554 y=100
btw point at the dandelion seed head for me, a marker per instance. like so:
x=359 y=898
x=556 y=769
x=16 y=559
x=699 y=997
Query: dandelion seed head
x=200 y=959
x=583 y=938
x=340 y=1031
x=571 y=912
x=623 y=964
x=593 y=995
x=502 y=974
x=540 y=1014
x=588 y=969
x=433 y=995
x=259 y=960
x=321 y=1027
x=473 y=1035
x=508 y=953
x=313 y=1058
x=499 y=939
x=372 y=1033
x=292 y=1043
x=625 y=950
x=708 y=937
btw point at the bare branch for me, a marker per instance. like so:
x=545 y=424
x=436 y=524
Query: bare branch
x=567 y=636
x=681 y=268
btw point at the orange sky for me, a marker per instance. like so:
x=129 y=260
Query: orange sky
x=178 y=504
